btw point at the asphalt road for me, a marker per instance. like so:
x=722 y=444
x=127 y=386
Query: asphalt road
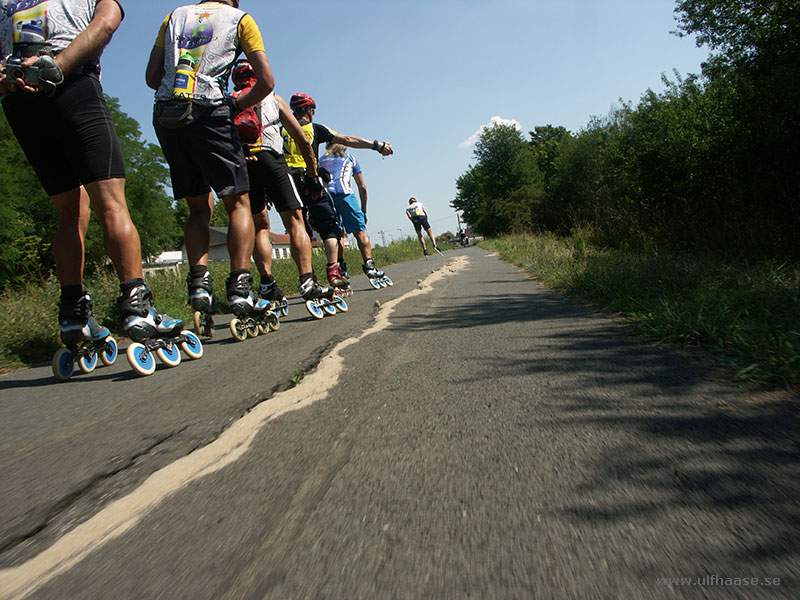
x=475 y=436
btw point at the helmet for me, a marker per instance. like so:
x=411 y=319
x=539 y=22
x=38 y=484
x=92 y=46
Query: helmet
x=243 y=75
x=300 y=101
x=412 y=200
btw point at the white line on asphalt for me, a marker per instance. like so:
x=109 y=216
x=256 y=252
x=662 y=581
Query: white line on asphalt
x=124 y=513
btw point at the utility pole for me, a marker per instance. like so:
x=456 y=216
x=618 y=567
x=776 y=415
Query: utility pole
x=459 y=222
x=383 y=238
x=401 y=233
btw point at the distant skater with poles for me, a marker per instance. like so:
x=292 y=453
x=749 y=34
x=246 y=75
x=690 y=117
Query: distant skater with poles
x=418 y=216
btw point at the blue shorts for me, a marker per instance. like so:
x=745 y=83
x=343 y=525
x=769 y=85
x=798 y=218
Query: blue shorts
x=349 y=210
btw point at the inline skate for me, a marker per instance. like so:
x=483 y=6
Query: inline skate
x=253 y=315
x=85 y=340
x=377 y=279
x=201 y=299
x=275 y=296
x=321 y=300
x=153 y=332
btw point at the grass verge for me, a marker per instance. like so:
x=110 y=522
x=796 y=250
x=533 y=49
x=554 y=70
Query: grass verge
x=747 y=314
x=28 y=314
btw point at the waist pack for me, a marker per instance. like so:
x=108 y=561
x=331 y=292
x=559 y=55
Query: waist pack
x=248 y=125
x=175 y=114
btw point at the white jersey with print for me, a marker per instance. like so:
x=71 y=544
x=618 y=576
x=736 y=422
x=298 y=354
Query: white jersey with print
x=57 y=21
x=207 y=35
x=417 y=209
x=270 y=116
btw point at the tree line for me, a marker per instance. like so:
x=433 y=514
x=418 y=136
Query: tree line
x=711 y=163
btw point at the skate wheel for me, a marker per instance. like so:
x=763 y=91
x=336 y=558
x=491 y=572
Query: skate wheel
x=388 y=281
x=263 y=328
x=191 y=345
x=140 y=359
x=273 y=323
x=170 y=355
x=63 y=364
x=382 y=282
x=203 y=324
x=252 y=330
x=328 y=307
x=314 y=309
x=340 y=304
x=88 y=361
x=238 y=330
x=110 y=352
x=284 y=307
x=374 y=283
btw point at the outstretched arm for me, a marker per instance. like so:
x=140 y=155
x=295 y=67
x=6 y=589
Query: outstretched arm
x=353 y=141
x=295 y=130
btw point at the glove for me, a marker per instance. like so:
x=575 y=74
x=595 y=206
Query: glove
x=314 y=185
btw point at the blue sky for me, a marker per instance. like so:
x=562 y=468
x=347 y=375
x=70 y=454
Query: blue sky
x=427 y=75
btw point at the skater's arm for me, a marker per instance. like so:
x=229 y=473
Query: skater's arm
x=291 y=125
x=353 y=141
x=362 y=192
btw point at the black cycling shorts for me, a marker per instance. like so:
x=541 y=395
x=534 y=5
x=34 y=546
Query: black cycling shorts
x=270 y=182
x=206 y=154
x=322 y=212
x=420 y=223
x=69 y=138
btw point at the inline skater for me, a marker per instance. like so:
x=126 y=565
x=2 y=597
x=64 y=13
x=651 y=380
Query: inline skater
x=343 y=168
x=260 y=131
x=65 y=115
x=193 y=55
x=320 y=207
x=418 y=216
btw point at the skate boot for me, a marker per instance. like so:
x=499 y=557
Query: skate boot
x=253 y=314
x=85 y=338
x=141 y=320
x=335 y=277
x=275 y=296
x=153 y=333
x=343 y=269
x=377 y=279
x=319 y=299
x=201 y=298
x=435 y=247
x=78 y=323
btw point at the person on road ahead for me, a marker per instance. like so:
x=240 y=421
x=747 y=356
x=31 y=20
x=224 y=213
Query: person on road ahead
x=64 y=127
x=189 y=66
x=418 y=216
x=321 y=209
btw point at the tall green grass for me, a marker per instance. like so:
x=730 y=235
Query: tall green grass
x=746 y=313
x=29 y=313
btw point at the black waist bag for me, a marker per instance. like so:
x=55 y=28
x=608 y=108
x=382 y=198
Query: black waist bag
x=175 y=114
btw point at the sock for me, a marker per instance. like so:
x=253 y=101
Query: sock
x=70 y=294
x=198 y=271
x=235 y=273
x=126 y=286
x=305 y=277
x=267 y=279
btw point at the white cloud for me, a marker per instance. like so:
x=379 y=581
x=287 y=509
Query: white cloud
x=469 y=142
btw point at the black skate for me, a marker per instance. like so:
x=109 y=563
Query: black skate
x=321 y=300
x=275 y=296
x=201 y=298
x=85 y=340
x=254 y=315
x=377 y=279
x=154 y=332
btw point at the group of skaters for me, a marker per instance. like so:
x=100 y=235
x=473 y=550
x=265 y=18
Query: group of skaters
x=247 y=145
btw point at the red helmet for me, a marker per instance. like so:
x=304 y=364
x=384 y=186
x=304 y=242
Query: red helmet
x=300 y=101
x=243 y=75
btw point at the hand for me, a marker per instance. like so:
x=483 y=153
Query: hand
x=385 y=149
x=251 y=158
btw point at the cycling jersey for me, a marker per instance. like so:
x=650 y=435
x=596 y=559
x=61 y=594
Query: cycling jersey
x=416 y=210
x=341 y=168
x=269 y=113
x=317 y=134
x=57 y=21
x=201 y=43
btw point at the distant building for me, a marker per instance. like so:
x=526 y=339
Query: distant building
x=218 y=245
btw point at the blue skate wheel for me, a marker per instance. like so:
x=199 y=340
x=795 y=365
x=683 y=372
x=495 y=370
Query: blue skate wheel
x=340 y=304
x=110 y=352
x=374 y=283
x=140 y=359
x=314 y=309
x=284 y=307
x=388 y=281
x=328 y=307
x=170 y=355
x=191 y=345
x=63 y=364
x=88 y=361
x=382 y=283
